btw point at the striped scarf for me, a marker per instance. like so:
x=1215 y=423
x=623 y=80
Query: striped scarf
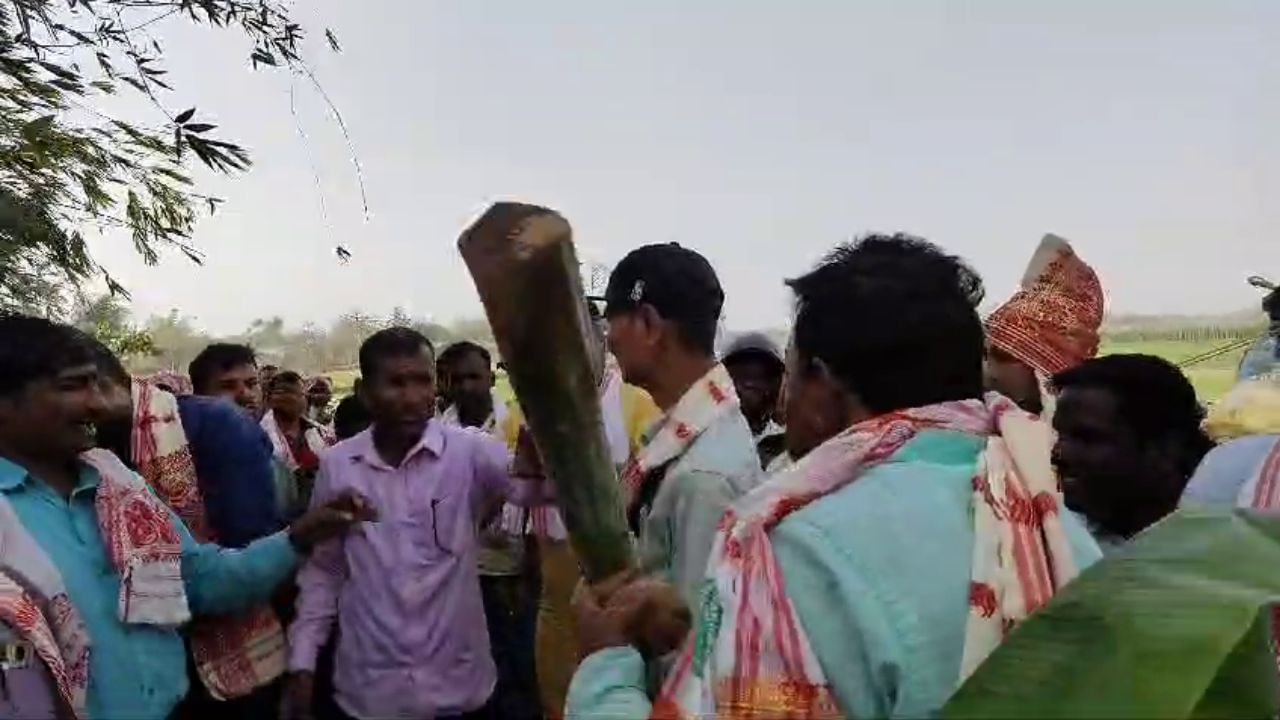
x=702 y=404
x=750 y=657
x=234 y=654
x=1262 y=492
x=143 y=547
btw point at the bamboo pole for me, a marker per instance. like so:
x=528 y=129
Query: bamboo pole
x=522 y=260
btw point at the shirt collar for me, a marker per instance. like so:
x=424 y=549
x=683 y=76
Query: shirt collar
x=432 y=441
x=14 y=476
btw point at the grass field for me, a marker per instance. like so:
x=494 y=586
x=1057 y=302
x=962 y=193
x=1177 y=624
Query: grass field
x=1212 y=379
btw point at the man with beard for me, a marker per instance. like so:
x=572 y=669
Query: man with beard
x=1129 y=438
x=403 y=593
x=755 y=364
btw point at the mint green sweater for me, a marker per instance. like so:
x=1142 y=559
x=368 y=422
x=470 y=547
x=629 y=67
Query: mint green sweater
x=878 y=573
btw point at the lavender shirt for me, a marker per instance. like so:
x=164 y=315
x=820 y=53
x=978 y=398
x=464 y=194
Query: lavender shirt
x=405 y=589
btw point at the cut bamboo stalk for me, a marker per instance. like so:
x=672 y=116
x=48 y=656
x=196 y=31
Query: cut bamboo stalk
x=522 y=260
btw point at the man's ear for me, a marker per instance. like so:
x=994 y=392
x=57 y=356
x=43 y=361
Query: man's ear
x=851 y=405
x=651 y=321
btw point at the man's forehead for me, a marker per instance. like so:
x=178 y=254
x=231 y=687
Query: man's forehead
x=77 y=371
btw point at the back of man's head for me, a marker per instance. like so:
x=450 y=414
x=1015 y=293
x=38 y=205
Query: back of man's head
x=895 y=319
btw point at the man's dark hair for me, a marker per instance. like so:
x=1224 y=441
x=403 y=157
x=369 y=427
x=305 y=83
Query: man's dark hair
x=389 y=343
x=350 y=418
x=461 y=349
x=33 y=348
x=109 y=366
x=1154 y=398
x=218 y=358
x=894 y=318
x=284 y=377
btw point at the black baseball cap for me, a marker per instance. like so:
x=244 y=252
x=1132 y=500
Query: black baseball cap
x=677 y=282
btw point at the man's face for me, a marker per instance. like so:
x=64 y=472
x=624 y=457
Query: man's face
x=1107 y=475
x=758 y=381
x=401 y=395
x=633 y=341
x=1012 y=378
x=320 y=395
x=471 y=382
x=811 y=412
x=54 y=418
x=117 y=400
x=444 y=385
x=240 y=385
x=288 y=400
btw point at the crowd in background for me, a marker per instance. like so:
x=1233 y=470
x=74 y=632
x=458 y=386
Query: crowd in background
x=844 y=527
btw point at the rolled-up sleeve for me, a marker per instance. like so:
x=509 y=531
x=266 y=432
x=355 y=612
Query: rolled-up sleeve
x=319 y=583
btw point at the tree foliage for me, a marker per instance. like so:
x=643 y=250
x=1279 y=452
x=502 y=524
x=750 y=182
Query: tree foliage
x=108 y=320
x=67 y=166
x=309 y=348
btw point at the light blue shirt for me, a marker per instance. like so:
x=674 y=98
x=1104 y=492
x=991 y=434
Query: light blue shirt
x=878 y=573
x=1224 y=472
x=679 y=527
x=136 y=671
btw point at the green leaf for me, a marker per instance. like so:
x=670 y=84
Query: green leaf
x=262 y=56
x=38 y=127
x=184 y=116
x=1175 y=626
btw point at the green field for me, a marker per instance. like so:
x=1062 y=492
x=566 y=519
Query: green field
x=1212 y=378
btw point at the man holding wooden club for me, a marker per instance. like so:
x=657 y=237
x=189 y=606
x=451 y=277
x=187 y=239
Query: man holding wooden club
x=663 y=305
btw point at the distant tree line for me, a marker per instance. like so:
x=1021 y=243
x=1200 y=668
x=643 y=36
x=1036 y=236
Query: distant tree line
x=170 y=342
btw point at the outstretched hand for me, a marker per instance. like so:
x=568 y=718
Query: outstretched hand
x=330 y=520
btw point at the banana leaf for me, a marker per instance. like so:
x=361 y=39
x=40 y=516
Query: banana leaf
x=1177 y=625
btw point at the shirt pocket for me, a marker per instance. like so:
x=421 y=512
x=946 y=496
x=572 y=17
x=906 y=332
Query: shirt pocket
x=438 y=526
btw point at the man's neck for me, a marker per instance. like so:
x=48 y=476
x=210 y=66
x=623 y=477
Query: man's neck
x=292 y=425
x=477 y=418
x=59 y=474
x=392 y=447
x=679 y=372
x=758 y=423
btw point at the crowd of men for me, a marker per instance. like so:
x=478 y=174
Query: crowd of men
x=844 y=529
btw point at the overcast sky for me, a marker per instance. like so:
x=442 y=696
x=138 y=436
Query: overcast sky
x=760 y=133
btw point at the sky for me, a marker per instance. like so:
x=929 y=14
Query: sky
x=758 y=133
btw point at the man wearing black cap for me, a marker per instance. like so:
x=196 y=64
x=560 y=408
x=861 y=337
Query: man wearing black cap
x=663 y=307
x=755 y=364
